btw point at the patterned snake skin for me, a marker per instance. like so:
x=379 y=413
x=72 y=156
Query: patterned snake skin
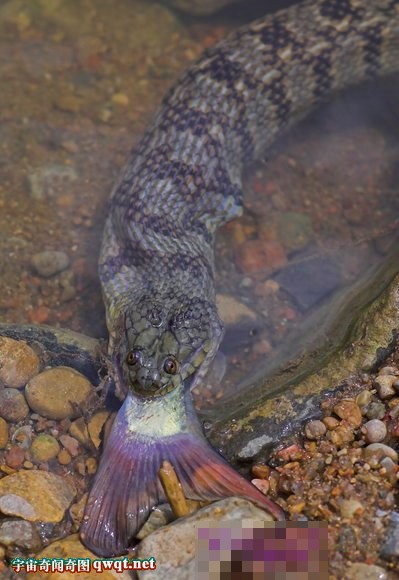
x=184 y=179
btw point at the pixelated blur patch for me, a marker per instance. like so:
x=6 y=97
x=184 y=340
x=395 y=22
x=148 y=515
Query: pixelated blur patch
x=250 y=549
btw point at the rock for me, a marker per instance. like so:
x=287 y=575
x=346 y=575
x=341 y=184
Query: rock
x=71 y=444
x=360 y=571
x=231 y=311
x=374 y=430
x=58 y=392
x=331 y=423
x=18 y=362
x=350 y=411
x=380 y=451
x=44 y=448
x=200 y=6
x=174 y=546
x=78 y=429
x=77 y=510
x=294 y=230
x=22 y=493
x=342 y=435
x=390 y=547
x=51 y=180
x=49 y=262
x=375 y=410
x=15 y=457
x=3 y=433
x=159 y=516
x=13 y=405
x=258 y=255
x=64 y=458
x=384 y=384
x=310 y=279
x=95 y=426
x=315 y=429
x=72 y=546
x=363 y=398
x=14 y=532
x=260 y=471
x=350 y=508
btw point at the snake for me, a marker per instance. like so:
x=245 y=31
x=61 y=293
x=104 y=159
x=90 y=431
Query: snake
x=183 y=181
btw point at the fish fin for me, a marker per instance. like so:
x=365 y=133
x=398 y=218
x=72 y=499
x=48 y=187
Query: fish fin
x=205 y=475
x=127 y=486
x=125 y=490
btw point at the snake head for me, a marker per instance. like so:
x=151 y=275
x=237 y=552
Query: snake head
x=162 y=346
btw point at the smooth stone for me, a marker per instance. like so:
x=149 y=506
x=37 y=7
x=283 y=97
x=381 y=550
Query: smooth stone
x=3 y=433
x=390 y=547
x=375 y=431
x=51 y=392
x=231 y=310
x=44 y=448
x=310 y=280
x=69 y=547
x=380 y=450
x=45 y=181
x=15 y=532
x=18 y=362
x=49 y=263
x=294 y=230
x=349 y=411
x=174 y=546
x=384 y=384
x=22 y=493
x=13 y=406
x=315 y=429
x=350 y=507
x=360 y=571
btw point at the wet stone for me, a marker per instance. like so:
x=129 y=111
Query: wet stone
x=360 y=571
x=309 y=280
x=384 y=384
x=379 y=450
x=231 y=310
x=3 y=433
x=375 y=410
x=51 y=180
x=44 y=448
x=295 y=230
x=315 y=429
x=49 y=263
x=22 y=493
x=15 y=457
x=13 y=405
x=375 y=431
x=58 y=392
x=390 y=547
x=18 y=362
x=350 y=411
x=15 y=532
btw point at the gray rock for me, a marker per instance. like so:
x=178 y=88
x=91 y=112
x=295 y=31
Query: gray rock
x=295 y=230
x=174 y=546
x=309 y=280
x=13 y=406
x=390 y=547
x=50 y=180
x=49 y=262
x=15 y=532
x=360 y=571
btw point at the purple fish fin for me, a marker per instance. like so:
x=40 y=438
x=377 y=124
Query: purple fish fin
x=205 y=475
x=125 y=490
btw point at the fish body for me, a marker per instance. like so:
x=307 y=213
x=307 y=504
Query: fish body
x=182 y=182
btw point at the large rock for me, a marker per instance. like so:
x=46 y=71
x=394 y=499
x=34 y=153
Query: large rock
x=174 y=546
x=18 y=362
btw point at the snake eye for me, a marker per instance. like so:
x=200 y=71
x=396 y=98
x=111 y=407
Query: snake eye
x=170 y=366
x=132 y=357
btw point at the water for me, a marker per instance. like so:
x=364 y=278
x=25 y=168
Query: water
x=80 y=81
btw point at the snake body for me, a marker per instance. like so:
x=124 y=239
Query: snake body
x=184 y=179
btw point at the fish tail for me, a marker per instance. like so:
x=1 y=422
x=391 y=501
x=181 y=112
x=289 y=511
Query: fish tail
x=127 y=484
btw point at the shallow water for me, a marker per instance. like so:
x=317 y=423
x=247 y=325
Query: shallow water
x=80 y=81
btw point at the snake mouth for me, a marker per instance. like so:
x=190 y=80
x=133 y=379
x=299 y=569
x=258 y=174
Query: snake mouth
x=152 y=390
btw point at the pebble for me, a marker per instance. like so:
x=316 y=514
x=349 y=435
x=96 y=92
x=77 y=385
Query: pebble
x=22 y=493
x=51 y=392
x=71 y=444
x=350 y=508
x=350 y=411
x=390 y=547
x=331 y=423
x=13 y=405
x=18 y=362
x=384 y=384
x=315 y=429
x=257 y=255
x=174 y=547
x=50 y=180
x=77 y=510
x=262 y=484
x=374 y=430
x=363 y=398
x=260 y=471
x=231 y=310
x=294 y=230
x=64 y=458
x=49 y=262
x=380 y=450
x=15 y=457
x=3 y=433
x=375 y=410
x=95 y=426
x=44 y=448
x=361 y=571
x=78 y=429
x=19 y=533
x=342 y=435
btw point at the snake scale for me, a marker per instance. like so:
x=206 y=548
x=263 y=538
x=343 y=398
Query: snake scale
x=181 y=183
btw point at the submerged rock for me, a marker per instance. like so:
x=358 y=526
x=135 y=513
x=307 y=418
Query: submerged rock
x=18 y=362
